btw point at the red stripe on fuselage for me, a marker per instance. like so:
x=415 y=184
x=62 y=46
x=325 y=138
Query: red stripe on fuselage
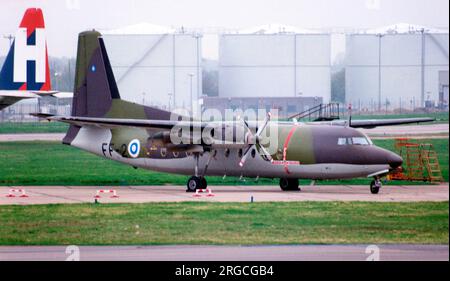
x=286 y=143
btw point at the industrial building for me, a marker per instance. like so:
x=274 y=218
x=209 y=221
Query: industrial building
x=400 y=66
x=156 y=65
x=274 y=61
x=285 y=106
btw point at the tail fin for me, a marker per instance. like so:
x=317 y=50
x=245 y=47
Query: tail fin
x=26 y=65
x=95 y=90
x=95 y=86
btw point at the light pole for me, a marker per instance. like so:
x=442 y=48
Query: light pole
x=192 y=100
x=10 y=38
x=170 y=99
x=379 y=71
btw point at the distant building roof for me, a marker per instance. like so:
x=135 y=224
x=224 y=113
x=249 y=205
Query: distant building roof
x=403 y=28
x=276 y=28
x=141 y=28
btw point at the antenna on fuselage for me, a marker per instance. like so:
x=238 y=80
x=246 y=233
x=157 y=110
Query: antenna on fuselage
x=349 y=122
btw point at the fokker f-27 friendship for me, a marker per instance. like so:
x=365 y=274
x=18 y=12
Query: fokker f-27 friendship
x=137 y=135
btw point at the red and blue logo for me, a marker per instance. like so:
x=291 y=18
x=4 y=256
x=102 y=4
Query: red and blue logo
x=26 y=66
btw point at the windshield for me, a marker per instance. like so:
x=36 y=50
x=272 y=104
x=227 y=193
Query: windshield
x=354 y=141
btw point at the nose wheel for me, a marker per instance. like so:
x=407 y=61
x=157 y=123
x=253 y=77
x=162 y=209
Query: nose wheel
x=375 y=186
x=289 y=184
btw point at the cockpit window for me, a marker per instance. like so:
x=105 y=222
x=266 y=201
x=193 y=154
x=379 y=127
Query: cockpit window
x=354 y=140
x=360 y=141
x=342 y=141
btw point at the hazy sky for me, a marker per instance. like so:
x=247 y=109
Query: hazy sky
x=65 y=18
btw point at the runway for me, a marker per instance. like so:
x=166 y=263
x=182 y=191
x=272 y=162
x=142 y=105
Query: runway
x=170 y=193
x=389 y=252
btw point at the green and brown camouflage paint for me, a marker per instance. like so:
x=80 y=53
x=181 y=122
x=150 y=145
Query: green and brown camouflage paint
x=96 y=95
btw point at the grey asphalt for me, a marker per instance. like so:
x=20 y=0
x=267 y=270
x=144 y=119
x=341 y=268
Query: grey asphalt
x=236 y=193
x=390 y=252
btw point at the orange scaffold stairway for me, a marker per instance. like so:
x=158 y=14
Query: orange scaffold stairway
x=420 y=162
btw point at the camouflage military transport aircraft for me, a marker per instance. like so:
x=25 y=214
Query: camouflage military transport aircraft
x=141 y=136
x=25 y=73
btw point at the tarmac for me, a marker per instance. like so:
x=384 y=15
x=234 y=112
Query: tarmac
x=239 y=193
x=384 y=252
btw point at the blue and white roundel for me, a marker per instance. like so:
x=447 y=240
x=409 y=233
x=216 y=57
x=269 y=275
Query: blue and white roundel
x=134 y=147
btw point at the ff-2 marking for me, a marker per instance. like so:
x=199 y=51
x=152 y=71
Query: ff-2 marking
x=107 y=147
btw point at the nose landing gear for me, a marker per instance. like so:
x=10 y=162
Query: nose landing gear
x=289 y=184
x=375 y=186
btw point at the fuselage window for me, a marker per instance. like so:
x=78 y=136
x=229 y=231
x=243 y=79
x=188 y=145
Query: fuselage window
x=253 y=153
x=240 y=152
x=227 y=152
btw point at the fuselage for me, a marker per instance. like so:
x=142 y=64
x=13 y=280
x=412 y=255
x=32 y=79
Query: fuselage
x=298 y=151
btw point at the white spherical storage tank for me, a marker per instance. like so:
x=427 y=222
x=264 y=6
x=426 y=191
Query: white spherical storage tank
x=395 y=68
x=155 y=65
x=274 y=65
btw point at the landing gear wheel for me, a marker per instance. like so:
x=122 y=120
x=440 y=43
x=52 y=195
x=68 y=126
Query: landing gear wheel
x=289 y=184
x=375 y=186
x=203 y=183
x=193 y=183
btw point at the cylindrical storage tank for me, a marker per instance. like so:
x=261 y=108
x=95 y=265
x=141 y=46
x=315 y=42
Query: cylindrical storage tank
x=274 y=65
x=161 y=70
x=393 y=71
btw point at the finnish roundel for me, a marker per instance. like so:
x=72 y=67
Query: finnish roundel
x=133 y=148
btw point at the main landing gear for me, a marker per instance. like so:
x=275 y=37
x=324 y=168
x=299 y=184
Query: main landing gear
x=195 y=183
x=375 y=186
x=289 y=184
x=198 y=181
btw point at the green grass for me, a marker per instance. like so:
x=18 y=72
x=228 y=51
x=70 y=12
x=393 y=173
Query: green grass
x=51 y=163
x=441 y=117
x=224 y=223
x=32 y=127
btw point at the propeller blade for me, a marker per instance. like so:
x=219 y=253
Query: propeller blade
x=266 y=153
x=244 y=157
x=266 y=121
x=249 y=132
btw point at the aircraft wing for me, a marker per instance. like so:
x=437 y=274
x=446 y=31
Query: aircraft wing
x=168 y=124
x=62 y=95
x=116 y=122
x=372 y=123
x=8 y=97
x=55 y=94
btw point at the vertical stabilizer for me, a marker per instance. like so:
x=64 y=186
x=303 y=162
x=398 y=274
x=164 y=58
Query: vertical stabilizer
x=95 y=86
x=26 y=66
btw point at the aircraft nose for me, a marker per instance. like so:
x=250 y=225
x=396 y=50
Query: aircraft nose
x=394 y=160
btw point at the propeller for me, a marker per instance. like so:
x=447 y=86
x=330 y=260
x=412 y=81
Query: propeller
x=254 y=140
